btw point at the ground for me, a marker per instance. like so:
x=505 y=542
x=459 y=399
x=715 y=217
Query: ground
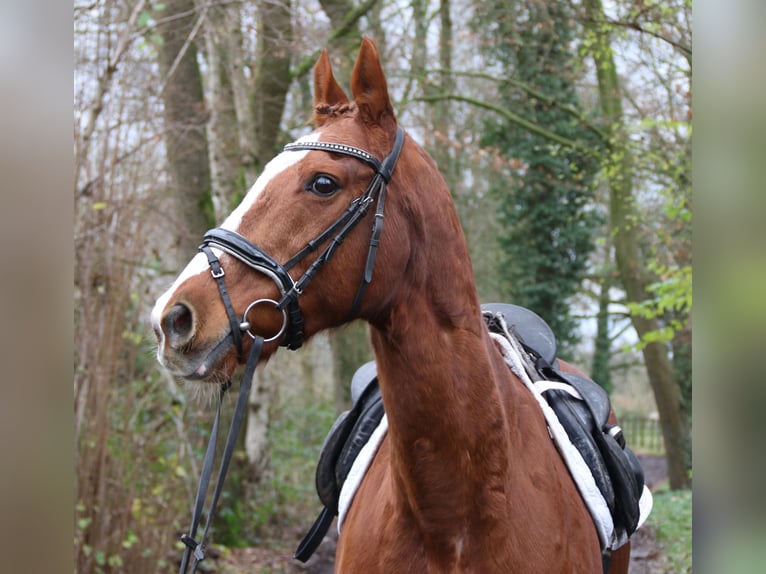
x=646 y=555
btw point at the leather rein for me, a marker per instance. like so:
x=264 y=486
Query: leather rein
x=256 y=258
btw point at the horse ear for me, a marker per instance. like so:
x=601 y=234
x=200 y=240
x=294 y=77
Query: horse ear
x=368 y=85
x=327 y=92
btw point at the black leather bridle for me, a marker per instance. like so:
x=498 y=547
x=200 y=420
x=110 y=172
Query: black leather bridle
x=256 y=258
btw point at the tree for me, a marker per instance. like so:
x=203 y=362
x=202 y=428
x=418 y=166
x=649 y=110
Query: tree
x=118 y=392
x=631 y=263
x=272 y=78
x=546 y=201
x=230 y=127
x=186 y=114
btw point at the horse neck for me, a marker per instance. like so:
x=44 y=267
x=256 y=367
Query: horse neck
x=439 y=378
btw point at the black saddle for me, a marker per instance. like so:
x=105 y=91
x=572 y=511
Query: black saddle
x=615 y=467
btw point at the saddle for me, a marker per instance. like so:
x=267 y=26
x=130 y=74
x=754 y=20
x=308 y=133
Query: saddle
x=583 y=408
x=581 y=405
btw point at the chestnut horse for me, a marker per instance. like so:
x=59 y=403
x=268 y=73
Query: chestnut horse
x=467 y=478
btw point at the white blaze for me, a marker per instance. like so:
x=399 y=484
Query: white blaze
x=199 y=264
x=272 y=169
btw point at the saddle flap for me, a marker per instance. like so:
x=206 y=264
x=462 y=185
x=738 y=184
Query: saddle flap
x=593 y=394
x=368 y=421
x=326 y=484
x=362 y=379
x=348 y=435
x=615 y=468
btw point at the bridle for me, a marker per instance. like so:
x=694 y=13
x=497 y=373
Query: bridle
x=256 y=258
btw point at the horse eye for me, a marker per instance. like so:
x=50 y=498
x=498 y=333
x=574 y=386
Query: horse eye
x=323 y=185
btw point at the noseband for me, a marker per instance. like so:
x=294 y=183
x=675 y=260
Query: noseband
x=256 y=258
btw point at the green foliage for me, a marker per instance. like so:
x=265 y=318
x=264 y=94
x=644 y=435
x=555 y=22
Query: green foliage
x=671 y=297
x=144 y=467
x=546 y=200
x=265 y=511
x=296 y=436
x=672 y=517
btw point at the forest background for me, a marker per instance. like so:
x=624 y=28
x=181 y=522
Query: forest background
x=563 y=129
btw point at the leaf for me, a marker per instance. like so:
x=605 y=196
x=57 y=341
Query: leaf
x=143 y=19
x=130 y=539
x=98 y=205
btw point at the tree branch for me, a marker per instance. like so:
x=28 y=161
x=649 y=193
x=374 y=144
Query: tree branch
x=515 y=118
x=105 y=80
x=184 y=48
x=529 y=90
x=348 y=24
x=685 y=50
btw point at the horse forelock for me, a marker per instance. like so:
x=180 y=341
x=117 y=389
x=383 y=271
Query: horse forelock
x=324 y=111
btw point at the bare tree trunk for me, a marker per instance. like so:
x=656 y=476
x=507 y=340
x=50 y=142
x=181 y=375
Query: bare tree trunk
x=602 y=351
x=223 y=148
x=256 y=433
x=185 y=116
x=376 y=29
x=629 y=257
x=442 y=115
x=273 y=77
x=343 y=47
x=258 y=139
x=241 y=90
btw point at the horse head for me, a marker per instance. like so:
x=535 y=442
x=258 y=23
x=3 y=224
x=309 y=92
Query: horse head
x=298 y=254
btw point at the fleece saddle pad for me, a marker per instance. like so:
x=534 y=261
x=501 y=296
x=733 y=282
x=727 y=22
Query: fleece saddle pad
x=608 y=475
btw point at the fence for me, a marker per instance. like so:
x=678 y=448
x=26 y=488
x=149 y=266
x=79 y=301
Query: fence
x=642 y=434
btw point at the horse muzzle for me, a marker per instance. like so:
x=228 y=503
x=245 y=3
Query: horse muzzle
x=190 y=347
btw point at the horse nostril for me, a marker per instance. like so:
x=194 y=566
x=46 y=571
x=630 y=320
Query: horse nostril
x=177 y=324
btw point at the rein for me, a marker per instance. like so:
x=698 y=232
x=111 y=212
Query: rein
x=256 y=258
x=194 y=552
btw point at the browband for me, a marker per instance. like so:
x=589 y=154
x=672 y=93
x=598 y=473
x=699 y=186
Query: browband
x=385 y=169
x=366 y=157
